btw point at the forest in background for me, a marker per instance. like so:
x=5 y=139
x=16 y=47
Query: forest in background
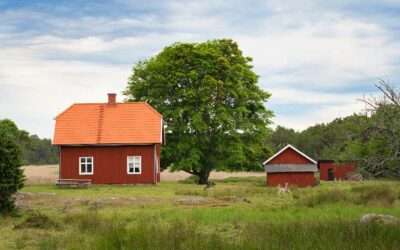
x=36 y=151
x=370 y=139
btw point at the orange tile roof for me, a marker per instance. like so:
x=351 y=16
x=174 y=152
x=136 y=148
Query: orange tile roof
x=102 y=123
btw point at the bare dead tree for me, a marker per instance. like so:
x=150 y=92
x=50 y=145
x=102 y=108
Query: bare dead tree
x=382 y=133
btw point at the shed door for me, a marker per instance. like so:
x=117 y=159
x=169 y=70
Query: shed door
x=330 y=174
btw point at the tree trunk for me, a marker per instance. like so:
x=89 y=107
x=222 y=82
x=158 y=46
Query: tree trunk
x=203 y=177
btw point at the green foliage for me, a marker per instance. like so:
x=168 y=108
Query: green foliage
x=35 y=151
x=11 y=176
x=40 y=152
x=213 y=109
x=190 y=180
x=36 y=219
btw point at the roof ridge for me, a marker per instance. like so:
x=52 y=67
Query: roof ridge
x=295 y=149
x=100 y=124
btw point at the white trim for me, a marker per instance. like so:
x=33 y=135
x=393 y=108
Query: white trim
x=292 y=147
x=86 y=173
x=127 y=164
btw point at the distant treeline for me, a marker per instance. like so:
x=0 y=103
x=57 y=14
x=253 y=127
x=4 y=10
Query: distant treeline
x=35 y=151
x=321 y=141
x=371 y=139
x=40 y=152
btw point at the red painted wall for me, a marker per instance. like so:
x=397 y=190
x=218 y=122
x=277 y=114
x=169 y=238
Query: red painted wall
x=339 y=170
x=297 y=179
x=289 y=156
x=110 y=163
x=323 y=169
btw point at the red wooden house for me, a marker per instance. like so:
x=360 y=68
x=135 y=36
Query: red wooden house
x=330 y=171
x=110 y=143
x=291 y=166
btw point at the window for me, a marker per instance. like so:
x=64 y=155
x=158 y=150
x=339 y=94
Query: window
x=86 y=165
x=134 y=164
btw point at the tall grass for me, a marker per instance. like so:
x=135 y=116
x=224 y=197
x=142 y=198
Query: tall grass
x=95 y=232
x=370 y=195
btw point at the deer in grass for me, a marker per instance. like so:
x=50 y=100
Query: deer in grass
x=283 y=189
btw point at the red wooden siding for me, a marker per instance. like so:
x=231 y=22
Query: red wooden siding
x=297 y=179
x=323 y=169
x=109 y=163
x=289 y=156
x=339 y=170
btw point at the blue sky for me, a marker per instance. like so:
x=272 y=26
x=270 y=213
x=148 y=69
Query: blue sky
x=315 y=57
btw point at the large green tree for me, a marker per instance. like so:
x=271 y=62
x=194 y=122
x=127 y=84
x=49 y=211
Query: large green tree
x=212 y=106
x=11 y=176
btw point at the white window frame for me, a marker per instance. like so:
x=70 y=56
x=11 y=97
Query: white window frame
x=80 y=165
x=133 y=162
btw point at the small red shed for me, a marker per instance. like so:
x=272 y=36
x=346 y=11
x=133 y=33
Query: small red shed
x=109 y=143
x=330 y=171
x=290 y=165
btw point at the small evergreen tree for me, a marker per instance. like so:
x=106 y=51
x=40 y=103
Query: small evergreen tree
x=11 y=176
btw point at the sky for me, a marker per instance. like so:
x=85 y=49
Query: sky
x=315 y=57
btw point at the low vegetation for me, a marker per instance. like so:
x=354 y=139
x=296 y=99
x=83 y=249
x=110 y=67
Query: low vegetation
x=238 y=213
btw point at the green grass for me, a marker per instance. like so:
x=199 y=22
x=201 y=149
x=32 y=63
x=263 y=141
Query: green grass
x=240 y=213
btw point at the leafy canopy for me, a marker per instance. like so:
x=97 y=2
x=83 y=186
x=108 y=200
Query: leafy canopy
x=211 y=103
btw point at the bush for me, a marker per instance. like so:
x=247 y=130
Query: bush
x=11 y=176
x=193 y=179
x=382 y=195
x=35 y=219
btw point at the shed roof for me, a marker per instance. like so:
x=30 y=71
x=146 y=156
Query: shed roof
x=290 y=168
x=295 y=149
x=105 y=123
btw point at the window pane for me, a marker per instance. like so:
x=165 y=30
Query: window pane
x=137 y=158
x=89 y=160
x=130 y=169
x=82 y=160
x=83 y=170
x=89 y=168
x=131 y=165
x=137 y=170
x=137 y=164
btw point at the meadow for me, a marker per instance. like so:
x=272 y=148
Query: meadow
x=239 y=213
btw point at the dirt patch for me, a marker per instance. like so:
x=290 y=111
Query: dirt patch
x=48 y=174
x=28 y=200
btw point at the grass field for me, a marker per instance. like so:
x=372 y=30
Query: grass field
x=240 y=213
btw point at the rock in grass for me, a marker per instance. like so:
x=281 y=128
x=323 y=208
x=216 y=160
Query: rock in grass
x=380 y=218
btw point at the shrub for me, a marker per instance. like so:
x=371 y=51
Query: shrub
x=382 y=195
x=11 y=176
x=35 y=219
x=193 y=179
